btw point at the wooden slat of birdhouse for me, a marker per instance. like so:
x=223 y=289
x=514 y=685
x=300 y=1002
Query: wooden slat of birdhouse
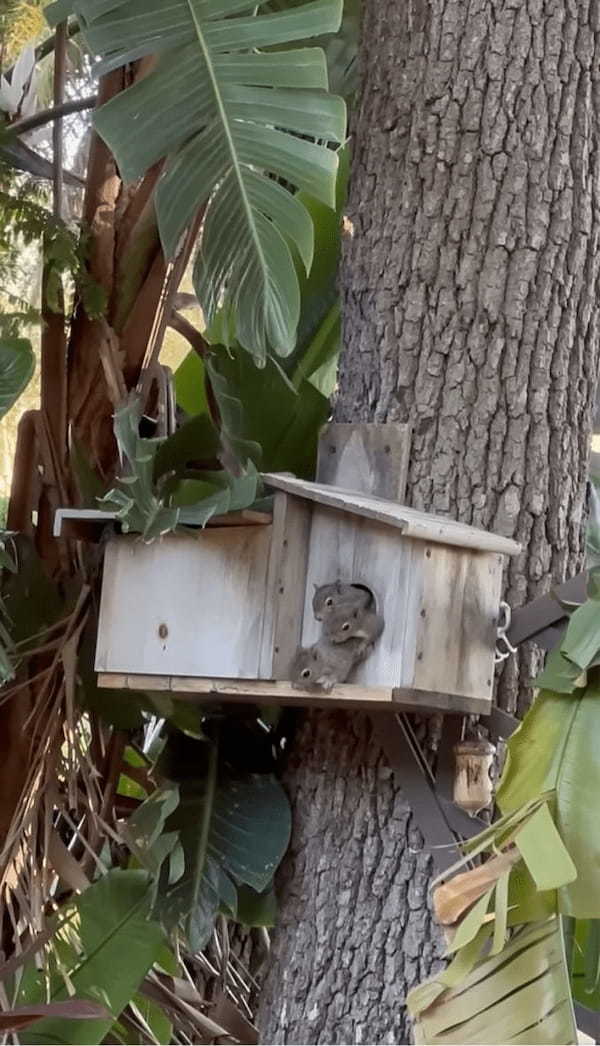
x=186 y=604
x=88 y=524
x=264 y=691
x=286 y=584
x=463 y=587
x=364 y=552
x=411 y=523
x=195 y=688
x=368 y=457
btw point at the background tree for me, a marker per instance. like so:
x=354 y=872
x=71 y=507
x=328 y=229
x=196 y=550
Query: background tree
x=469 y=290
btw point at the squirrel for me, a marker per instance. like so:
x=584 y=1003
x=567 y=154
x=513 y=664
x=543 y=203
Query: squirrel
x=344 y=625
x=321 y=666
x=328 y=598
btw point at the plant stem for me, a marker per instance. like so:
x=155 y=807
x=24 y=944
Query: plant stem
x=207 y=813
x=60 y=73
x=45 y=116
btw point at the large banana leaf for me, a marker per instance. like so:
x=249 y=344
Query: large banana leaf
x=234 y=829
x=521 y=995
x=17 y=363
x=583 y=956
x=262 y=416
x=555 y=750
x=102 y=953
x=227 y=109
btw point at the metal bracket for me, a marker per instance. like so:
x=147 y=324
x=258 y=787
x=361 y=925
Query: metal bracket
x=504 y=647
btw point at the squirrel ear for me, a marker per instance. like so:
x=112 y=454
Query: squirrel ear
x=315 y=586
x=338 y=586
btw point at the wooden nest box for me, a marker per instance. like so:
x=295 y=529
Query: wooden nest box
x=219 y=614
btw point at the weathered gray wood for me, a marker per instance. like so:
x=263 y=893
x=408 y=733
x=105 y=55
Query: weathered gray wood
x=368 y=553
x=254 y=690
x=456 y=621
x=185 y=605
x=286 y=585
x=369 y=457
x=80 y=515
x=89 y=517
x=418 y=525
x=264 y=691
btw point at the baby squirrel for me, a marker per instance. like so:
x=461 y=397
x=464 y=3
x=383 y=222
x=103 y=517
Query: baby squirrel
x=344 y=624
x=328 y=598
x=351 y=627
x=324 y=664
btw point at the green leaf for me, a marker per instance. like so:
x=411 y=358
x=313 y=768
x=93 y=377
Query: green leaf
x=259 y=407
x=148 y=822
x=190 y=385
x=520 y=995
x=469 y=927
x=319 y=364
x=555 y=750
x=227 y=113
x=421 y=997
x=593 y=585
x=318 y=288
x=585 y=962
x=196 y=440
x=154 y=1016
x=106 y=951
x=17 y=363
x=582 y=639
x=152 y=509
x=500 y=913
x=256 y=909
x=58 y=11
x=559 y=674
x=544 y=852
x=234 y=830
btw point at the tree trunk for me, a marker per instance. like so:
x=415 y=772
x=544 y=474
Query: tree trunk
x=470 y=288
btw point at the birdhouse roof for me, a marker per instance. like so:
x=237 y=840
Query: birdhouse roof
x=419 y=525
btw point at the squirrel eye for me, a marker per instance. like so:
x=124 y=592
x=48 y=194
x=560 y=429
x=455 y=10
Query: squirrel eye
x=306 y=673
x=329 y=601
x=345 y=626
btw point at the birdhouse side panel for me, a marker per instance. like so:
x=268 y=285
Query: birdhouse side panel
x=365 y=552
x=185 y=605
x=457 y=621
x=286 y=585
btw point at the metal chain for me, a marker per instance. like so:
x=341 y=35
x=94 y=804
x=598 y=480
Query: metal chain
x=504 y=647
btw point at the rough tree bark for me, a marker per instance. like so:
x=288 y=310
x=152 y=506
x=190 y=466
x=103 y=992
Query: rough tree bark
x=470 y=291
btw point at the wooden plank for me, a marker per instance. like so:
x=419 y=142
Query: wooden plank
x=286 y=585
x=253 y=690
x=462 y=587
x=187 y=605
x=90 y=516
x=246 y=517
x=418 y=525
x=369 y=457
x=281 y=692
x=365 y=552
x=80 y=515
x=435 y=701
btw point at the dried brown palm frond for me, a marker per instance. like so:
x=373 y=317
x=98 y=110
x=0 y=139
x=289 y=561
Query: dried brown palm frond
x=61 y=794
